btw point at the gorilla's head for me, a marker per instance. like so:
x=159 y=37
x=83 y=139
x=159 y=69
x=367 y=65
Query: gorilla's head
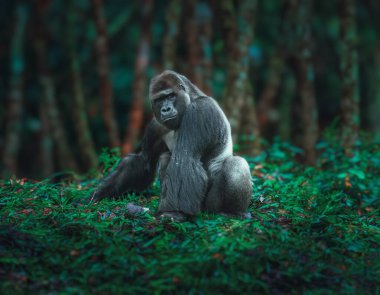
x=170 y=94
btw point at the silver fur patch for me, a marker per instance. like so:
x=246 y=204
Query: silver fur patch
x=171 y=140
x=216 y=164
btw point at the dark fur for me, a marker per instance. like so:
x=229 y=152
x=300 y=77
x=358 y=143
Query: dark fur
x=135 y=172
x=190 y=179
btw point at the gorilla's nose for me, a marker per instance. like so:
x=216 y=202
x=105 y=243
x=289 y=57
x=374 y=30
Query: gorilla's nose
x=166 y=110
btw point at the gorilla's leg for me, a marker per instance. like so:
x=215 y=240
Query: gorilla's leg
x=184 y=186
x=231 y=188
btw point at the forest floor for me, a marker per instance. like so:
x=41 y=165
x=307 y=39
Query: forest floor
x=314 y=230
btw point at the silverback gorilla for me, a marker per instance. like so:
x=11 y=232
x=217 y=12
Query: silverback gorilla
x=189 y=140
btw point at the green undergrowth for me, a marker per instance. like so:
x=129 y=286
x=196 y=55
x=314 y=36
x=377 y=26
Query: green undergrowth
x=314 y=230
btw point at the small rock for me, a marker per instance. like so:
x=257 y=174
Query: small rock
x=135 y=209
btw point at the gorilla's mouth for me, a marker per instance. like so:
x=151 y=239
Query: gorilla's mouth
x=169 y=118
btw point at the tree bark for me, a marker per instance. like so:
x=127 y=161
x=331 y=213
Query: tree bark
x=265 y=109
x=286 y=102
x=375 y=96
x=204 y=18
x=250 y=140
x=65 y=158
x=173 y=15
x=46 y=144
x=15 y=97
x=350 y=72
x=121 y=21
x=49 y=101
x=238 y=40
x=233 y=98
x=103 y=71
x=86 y=145
x=305 y=70
x=194 y=70
x=136 y=113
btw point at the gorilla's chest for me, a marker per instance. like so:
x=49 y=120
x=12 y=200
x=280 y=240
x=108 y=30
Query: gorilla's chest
x=171 y=139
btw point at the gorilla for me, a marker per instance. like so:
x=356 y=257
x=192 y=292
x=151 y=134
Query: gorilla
x=189 y=143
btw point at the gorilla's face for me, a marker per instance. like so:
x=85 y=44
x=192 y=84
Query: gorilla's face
x=169 y=106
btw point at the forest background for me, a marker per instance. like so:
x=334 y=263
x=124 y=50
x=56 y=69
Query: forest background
x=299 y=81
x=74 y=75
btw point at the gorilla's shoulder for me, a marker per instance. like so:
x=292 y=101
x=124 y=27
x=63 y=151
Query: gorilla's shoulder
x=206 y=105
x=205 y=111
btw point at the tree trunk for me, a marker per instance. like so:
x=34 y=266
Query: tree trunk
x=15 y=98
x=286 y=102
x=268 y=115
x=249 y=128
x=86 y=145
x=238 y=40
x=204 y=18
x=103 y=71
x=65 y=158
x=49 y=101
x=46 y=144
x=234 y=92
x=250 y=140
x=193 y=47
x=173 y=15
x=305 y=70
x=136 y=113
x=265 y=108
x=375 y=96
x=122 y=20
x=349 y=72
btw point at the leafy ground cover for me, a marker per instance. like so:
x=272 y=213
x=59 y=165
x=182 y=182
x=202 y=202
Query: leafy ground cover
x=315 y=230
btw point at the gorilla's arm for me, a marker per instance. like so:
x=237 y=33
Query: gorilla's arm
x=136 y=171
x=185 y=183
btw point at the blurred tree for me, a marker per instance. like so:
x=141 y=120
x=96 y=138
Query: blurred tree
x=103 y=71
x=193 y=47
x=236 y=49
x=286 y=101
x=16 y=93
x=46 y=144
x=204 y=19
x=122 y=20
x=87 y=151
x=267 y=113
x=238 y=98
x=173 y=14
x=197 y=18
x=136 y=113
x=305 y=71
x=375 y=96
x=49 y=100
x=233 y=97
x=349 y=73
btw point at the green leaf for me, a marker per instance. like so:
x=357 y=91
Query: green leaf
x=358 y=173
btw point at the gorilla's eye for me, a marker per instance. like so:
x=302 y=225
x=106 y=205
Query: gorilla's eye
x=171 y=97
